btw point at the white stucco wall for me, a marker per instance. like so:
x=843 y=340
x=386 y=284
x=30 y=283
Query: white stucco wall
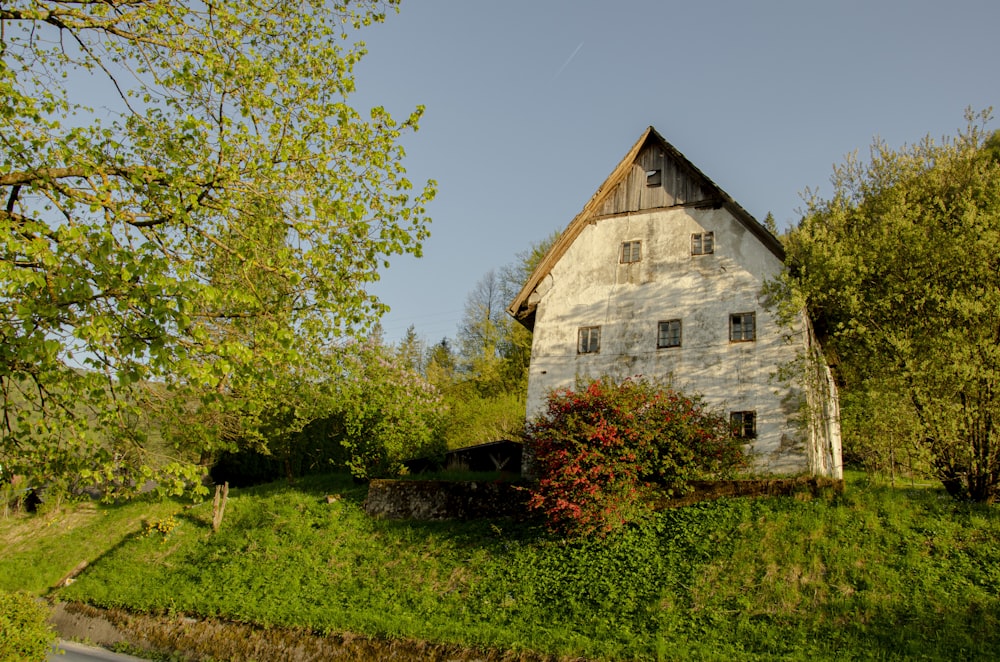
x=589 y=287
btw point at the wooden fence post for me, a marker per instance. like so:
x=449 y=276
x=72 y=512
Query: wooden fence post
x=219 y=505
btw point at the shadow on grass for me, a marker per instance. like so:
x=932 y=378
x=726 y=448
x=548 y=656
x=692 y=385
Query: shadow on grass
x=929 y=498
x=318 y=485
x=926 y=632
x=146 y=524
x=487 y=532
x=493 y=535
x=603 y=591
x=902 y=632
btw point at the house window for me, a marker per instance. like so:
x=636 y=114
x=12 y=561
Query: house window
x=654 y=178
x=668 y=334
x=702 y=243
x=743 y=424
x=742 y=327
x=631 y=251
x=590 y=340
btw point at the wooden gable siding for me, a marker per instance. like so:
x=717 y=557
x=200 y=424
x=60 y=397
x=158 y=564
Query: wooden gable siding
x=625 y=191
x=678 y=185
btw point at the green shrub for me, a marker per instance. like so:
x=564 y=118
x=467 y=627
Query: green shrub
x=374 y=413
x=24 y=634
x=595 y=450
x=384 y=413
x=474 y=418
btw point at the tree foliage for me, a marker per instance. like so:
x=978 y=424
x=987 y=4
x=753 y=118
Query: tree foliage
x=208 y=222
x=901 y=271
x=485 y=381
x=25 y=636
x=384 y=413
x=492 y=345
x=369 y=414
x=597 y=447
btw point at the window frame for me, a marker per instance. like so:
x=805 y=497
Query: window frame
x=743 y=424
x=633 y=248
x=700 y=237
x=660 y=335
x=591 y=332
x=741 y=337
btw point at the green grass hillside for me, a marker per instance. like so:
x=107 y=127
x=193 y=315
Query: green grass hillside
x=878 y=573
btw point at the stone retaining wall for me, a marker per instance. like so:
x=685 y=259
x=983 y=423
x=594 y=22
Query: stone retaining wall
x=707 y=490
x=440 y=500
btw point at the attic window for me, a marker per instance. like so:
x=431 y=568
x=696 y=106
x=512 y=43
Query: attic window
x=743 y=424
x=742 y=327
x=654 y=178
x=702 y=243
x=631 y=251
x=589 y=340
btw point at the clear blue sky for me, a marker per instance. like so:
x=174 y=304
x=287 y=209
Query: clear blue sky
x=531 y=104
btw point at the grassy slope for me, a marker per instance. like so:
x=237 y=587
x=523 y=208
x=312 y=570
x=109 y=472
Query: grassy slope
x=879 y=573
x=36 y=551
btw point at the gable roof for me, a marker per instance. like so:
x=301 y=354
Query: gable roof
x=689 y=187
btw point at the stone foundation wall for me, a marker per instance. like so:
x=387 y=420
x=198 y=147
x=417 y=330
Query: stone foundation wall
x=440 y=500
x=707 y=490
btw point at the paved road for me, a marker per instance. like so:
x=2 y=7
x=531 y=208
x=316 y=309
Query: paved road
x=80 y=653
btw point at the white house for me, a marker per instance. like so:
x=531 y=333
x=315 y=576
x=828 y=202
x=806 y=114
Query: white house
x=661 y=275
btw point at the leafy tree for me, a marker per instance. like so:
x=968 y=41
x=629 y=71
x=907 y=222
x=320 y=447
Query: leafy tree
x=485 y=336
x=370 y=413
x=493 y=347
x=597 y=447
x=383 y=413
x=880 y=432
x=196 y=240
x=487 y=396
x=901 y=271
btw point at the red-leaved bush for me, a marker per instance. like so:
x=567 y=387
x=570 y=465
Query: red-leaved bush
x=598 y=449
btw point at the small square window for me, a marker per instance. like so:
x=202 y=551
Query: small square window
x=631 y=251
x=702 y=243
x=668 y=334
x=742 y=327
x=654 y=178
x=743 y=424
x=589 y=341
